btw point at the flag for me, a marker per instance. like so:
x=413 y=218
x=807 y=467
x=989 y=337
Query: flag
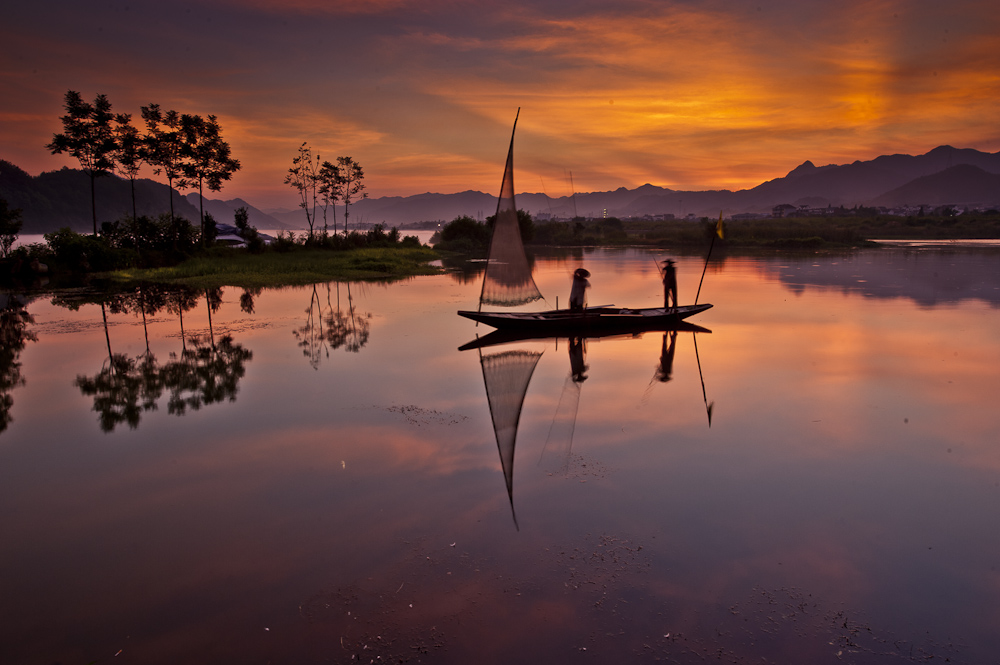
x=718 y=227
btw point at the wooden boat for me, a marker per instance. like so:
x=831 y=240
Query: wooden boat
x=590 y=321
x=508 y=281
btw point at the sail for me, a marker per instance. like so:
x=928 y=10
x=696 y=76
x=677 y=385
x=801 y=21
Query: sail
x=507 y=376
x=508 y=279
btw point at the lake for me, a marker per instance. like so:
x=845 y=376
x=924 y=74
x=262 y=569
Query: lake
x=311 y=475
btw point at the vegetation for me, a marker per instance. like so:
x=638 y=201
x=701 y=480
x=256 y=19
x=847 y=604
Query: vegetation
x=466 y=235
x=10 y=226
x=325 y=183
x=206 y=158
x=305 y=266
x=89 y=137
x=377 y=254
x=186 y=148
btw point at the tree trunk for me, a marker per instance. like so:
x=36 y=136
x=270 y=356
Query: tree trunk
x=134 y=215
x=170 y=192
x=93 y=200
x=201 y=213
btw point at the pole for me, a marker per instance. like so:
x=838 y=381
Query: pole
x=704 y=269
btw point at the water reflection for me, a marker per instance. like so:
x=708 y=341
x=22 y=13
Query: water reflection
x=14 y=336
x=507 y=374
x=329 y=328
x=929 y=278
x=204 y=371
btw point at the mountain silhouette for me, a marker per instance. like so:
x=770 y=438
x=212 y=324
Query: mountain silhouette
x=945 y=175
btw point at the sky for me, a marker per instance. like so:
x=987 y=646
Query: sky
x=691 y=95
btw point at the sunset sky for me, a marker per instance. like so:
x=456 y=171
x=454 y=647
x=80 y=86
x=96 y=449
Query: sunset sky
x=686 y=95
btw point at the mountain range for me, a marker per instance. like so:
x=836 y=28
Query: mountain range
x=943 y=176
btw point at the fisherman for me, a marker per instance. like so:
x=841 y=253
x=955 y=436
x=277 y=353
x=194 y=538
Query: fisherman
x=669 y=283
x=578 y=294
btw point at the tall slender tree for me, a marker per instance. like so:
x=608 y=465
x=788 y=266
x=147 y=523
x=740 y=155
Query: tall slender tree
x=350 y=184
x=89 y=137
x=164 y=145
x=207 y=159
x=303 y=176
x=329 y=182
x=130 y=151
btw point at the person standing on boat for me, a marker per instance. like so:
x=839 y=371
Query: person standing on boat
x=669 y=284
x=578 y=294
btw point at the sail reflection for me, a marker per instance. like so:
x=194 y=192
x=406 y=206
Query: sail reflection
x=507 y=374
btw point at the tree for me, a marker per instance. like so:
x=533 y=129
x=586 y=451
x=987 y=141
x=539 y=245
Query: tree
x=163 y=144
x=329 y=183
x=89 y=137
x=350 y=184
x=206 y=158
x=10 y=226
x=130 y=151
x=303 y=176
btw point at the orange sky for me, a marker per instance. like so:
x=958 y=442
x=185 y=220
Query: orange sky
x=687 y=95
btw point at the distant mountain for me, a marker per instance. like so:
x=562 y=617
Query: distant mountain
x=964 y=185
x=945 y=175
x=224 y=211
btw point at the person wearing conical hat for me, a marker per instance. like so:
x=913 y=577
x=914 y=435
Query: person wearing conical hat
x=578 y=294
x=669 y=284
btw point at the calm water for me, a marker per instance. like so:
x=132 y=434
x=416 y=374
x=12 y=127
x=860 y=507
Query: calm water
x=316 y=478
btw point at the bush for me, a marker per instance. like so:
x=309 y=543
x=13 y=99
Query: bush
x=85 y=253
x=466 y=235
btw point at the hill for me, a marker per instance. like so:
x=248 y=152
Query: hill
x=943 y=176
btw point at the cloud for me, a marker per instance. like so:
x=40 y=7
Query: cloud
x=691 y=95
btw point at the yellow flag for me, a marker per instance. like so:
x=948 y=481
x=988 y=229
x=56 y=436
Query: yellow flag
x=718 y=227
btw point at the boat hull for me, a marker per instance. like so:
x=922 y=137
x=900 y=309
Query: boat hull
x=592 y=320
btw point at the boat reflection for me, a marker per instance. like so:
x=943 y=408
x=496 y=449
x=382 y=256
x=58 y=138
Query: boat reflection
x=507 y=374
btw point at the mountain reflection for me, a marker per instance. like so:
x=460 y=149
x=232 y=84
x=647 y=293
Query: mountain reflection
x=507 y=375
x=927 y=278
x=14 y=336
x=331 y=327
x=204 y=371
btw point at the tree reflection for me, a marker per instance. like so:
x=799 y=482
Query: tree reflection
x=123 y=389
x=204 y=372
x=328 y=327
x=14 y=336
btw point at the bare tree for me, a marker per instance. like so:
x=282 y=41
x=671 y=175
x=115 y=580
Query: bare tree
x=89 y=137
x=329 y=183
x=303 y=176
x=350 y=184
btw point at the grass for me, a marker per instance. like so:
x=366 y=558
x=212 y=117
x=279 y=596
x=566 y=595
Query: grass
x=274 y=269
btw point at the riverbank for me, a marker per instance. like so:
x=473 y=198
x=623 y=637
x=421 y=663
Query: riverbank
x=273 y=269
